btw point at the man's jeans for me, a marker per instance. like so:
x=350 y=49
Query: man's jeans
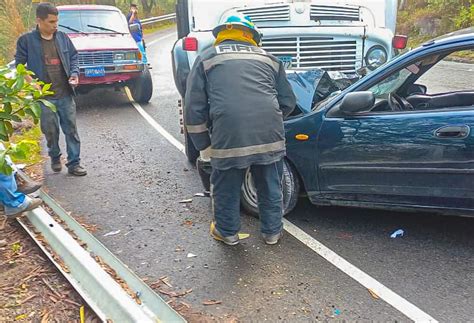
x=142 y=49
x=66 y=117
x=225 y=191
x=9 y=196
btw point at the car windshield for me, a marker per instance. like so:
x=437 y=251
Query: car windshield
x=391 y=83
x=88 y=21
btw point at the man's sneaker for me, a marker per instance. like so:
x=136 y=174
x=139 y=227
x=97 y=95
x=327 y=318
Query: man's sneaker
x=272 y=238
x=230 y=240
x=56 y=165
x=28 y=205
x=77 y=170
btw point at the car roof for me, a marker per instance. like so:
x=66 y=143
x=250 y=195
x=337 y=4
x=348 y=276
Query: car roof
x=87 y=7
x=458 y=35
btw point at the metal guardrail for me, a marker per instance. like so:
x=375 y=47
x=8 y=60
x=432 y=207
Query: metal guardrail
x=152 y=20
x=102 y=292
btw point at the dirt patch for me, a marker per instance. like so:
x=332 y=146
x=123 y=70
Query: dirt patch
x=31 y=288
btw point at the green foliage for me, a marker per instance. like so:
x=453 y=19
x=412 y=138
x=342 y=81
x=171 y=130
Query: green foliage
x=465 y=18
x=30 y=135
x=16 y=247
x=426 y=19
x=19 y=99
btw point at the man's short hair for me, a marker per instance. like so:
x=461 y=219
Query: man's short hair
x=44 y=9
x=133 y=5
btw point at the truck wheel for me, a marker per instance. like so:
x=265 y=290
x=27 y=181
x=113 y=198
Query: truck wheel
x=191 y=152
x=142 y=87
x=290 y=187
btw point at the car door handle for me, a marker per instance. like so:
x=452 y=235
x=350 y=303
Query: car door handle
x=458 y=132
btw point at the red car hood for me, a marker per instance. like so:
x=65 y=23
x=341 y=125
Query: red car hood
x=93 y=42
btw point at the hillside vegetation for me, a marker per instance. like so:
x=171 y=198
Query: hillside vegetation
x=425 y=19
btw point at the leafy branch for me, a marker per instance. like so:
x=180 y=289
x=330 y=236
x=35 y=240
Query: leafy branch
x=19 y=99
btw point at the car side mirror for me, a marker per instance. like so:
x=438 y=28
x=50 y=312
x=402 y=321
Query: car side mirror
x=417 y=89
x=357 y=102
x=134 y=28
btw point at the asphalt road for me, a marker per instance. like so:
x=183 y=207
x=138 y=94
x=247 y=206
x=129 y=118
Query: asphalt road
x=137 y=178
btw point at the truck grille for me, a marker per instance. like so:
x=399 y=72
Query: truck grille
x=96 y=58
x=267 y=13
x=308 y=52
x=322 y=12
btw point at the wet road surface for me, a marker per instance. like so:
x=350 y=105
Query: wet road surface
x=137 y=179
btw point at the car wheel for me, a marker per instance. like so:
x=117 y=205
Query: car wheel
x=142 y=87
x=290 y=187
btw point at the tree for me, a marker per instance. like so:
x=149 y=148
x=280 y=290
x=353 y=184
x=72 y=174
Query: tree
x=18 y=99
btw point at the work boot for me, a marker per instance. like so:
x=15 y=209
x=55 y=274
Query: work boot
x=272 y=239
x=26 y=186
x=28 y=204
x=230 y=240
x=77 y=170
x=56 y=165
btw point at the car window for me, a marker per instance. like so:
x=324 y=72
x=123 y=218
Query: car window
x=82 y=20
x=457 y=74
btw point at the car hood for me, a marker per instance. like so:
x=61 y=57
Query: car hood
x=104 y=41
x=315 y=85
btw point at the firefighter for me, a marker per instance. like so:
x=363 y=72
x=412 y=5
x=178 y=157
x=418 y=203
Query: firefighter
x=237 y=96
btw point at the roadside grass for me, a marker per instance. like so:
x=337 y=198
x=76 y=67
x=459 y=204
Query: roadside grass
x=161 y=26
x=30 y=133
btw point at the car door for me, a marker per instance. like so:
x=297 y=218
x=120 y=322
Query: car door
x=418 y=158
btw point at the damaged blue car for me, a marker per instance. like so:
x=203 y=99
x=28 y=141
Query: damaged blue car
x=400 y=138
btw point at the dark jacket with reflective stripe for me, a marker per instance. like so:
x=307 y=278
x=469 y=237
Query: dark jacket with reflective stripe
x=236 y=98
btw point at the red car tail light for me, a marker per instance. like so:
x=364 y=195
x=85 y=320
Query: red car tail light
x=190 y=44
x=399 y=41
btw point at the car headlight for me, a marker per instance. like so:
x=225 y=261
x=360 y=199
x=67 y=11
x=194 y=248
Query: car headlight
x=126 y=56
x=376 y=56
x=131 y=56
x=119 y=56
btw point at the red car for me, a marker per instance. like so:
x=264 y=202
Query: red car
x=108 y=55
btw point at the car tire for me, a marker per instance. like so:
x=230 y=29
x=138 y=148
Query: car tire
x=290 y=187
x=141 y=88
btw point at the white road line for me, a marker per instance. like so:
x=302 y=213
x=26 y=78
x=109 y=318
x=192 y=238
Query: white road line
x=161 y=38
x=385 y=293
x=155 y=124
x=358 y=275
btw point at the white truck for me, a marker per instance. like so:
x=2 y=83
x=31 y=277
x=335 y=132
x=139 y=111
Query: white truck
x=345 y=36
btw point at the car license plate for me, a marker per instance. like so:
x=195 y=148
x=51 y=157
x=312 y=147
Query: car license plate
x=95 y=71
x=286 y=60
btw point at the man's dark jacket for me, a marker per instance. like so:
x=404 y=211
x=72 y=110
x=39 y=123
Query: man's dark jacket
x=29 y=52
x=236 y=98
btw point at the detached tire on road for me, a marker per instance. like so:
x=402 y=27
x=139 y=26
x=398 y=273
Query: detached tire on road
x=290 y=187
x=142 y=87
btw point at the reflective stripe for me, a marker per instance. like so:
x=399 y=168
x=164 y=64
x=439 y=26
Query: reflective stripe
x=196 y=128
x=218 y=59
x=249 y=150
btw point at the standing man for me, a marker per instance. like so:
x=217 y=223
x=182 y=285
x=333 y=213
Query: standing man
x=137 y=35
x=236 y=98
x=51 y=56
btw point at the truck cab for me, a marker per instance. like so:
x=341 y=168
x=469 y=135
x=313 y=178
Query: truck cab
x=107 y=54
